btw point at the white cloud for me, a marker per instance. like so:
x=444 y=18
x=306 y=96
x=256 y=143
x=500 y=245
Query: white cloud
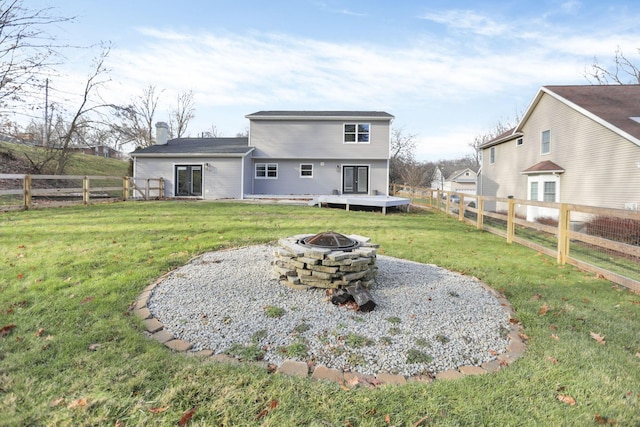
x=468 y=20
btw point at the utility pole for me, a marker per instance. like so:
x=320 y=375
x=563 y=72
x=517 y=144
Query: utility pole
x=45 y=134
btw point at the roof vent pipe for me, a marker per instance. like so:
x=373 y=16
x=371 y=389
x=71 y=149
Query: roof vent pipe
x=162 y=133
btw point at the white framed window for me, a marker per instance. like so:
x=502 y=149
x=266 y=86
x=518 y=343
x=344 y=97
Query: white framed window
x=266 y=171
x=357 y=133
x=306 y=170
x=492 y=155
x=519 y=142
x=533 y=191
x=545 y=142
x=549 y=191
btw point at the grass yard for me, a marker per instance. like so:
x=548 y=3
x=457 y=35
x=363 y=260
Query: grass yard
x=72 y=354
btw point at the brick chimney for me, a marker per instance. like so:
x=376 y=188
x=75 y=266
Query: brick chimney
x=162 y=133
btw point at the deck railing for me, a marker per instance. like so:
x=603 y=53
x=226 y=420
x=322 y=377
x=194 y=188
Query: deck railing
x=599 y=240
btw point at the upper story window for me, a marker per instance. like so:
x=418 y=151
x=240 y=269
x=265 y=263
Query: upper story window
x=306 y=170
x=492 y=155
x=545 y=142
x=519 y=141
x=356 y=133
x=266 y=170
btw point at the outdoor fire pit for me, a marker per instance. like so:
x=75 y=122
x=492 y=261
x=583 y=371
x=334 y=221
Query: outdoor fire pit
x=328 y=260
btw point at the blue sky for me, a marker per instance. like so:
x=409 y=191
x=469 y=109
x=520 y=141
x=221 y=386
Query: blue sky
x=447 y=70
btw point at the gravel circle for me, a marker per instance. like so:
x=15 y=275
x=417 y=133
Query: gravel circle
x=428 y=319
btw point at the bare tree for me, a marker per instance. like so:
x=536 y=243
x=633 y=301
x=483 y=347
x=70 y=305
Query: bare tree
x=26 y=50
x=498 y=129
x=212 y=132
x=415 y=174
x=65 y=134
x=243 y=134
x=402 y=152
x=134 y=122
x=181 y=115
x=622 y=72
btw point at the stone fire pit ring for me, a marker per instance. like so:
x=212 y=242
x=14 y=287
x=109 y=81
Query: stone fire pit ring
x=428 y=320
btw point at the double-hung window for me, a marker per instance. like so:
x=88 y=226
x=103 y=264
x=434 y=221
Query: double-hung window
x=545 y=142
x=533 y=195
x=306 y=170
x=549 y=191
x=356 y=133
x=266 y=170
x=492 y=155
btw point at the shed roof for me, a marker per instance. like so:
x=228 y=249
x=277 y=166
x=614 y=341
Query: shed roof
x=231 y=147
x=546 y=166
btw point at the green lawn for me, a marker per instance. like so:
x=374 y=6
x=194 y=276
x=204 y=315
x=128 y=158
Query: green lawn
x=77 y=356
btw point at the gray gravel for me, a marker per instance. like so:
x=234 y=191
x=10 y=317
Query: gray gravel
x=424 y=312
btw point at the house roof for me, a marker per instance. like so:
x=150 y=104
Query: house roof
x=546 y=166
x=503 y=137
x=221 y=147
x=615 y=104
x=319 y=115
x=458 y=176
x=616 y=107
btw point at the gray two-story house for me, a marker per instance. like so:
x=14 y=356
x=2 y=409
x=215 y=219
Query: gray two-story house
x=287 y=153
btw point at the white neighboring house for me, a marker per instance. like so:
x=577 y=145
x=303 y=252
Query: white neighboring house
x=460 y=181
x=287 y=153
x=574 y=144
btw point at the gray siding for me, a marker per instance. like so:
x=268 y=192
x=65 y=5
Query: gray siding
x=156 y=168
x=327 y=177
x=601 y=167
x=222 y=179
x=316 y=139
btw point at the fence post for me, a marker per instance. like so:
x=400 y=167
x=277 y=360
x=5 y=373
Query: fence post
x=161 y=192
x=461 y=208
x=27 y=191
x=125 y=188
x=480 y=216
x=563 y=234
x=85 y=190
x=511 y=225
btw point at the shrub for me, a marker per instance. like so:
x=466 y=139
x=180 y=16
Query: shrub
x=547 y=220
x=625 y=230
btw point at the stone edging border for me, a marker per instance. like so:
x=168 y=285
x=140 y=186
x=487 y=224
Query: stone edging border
x=515 y=349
